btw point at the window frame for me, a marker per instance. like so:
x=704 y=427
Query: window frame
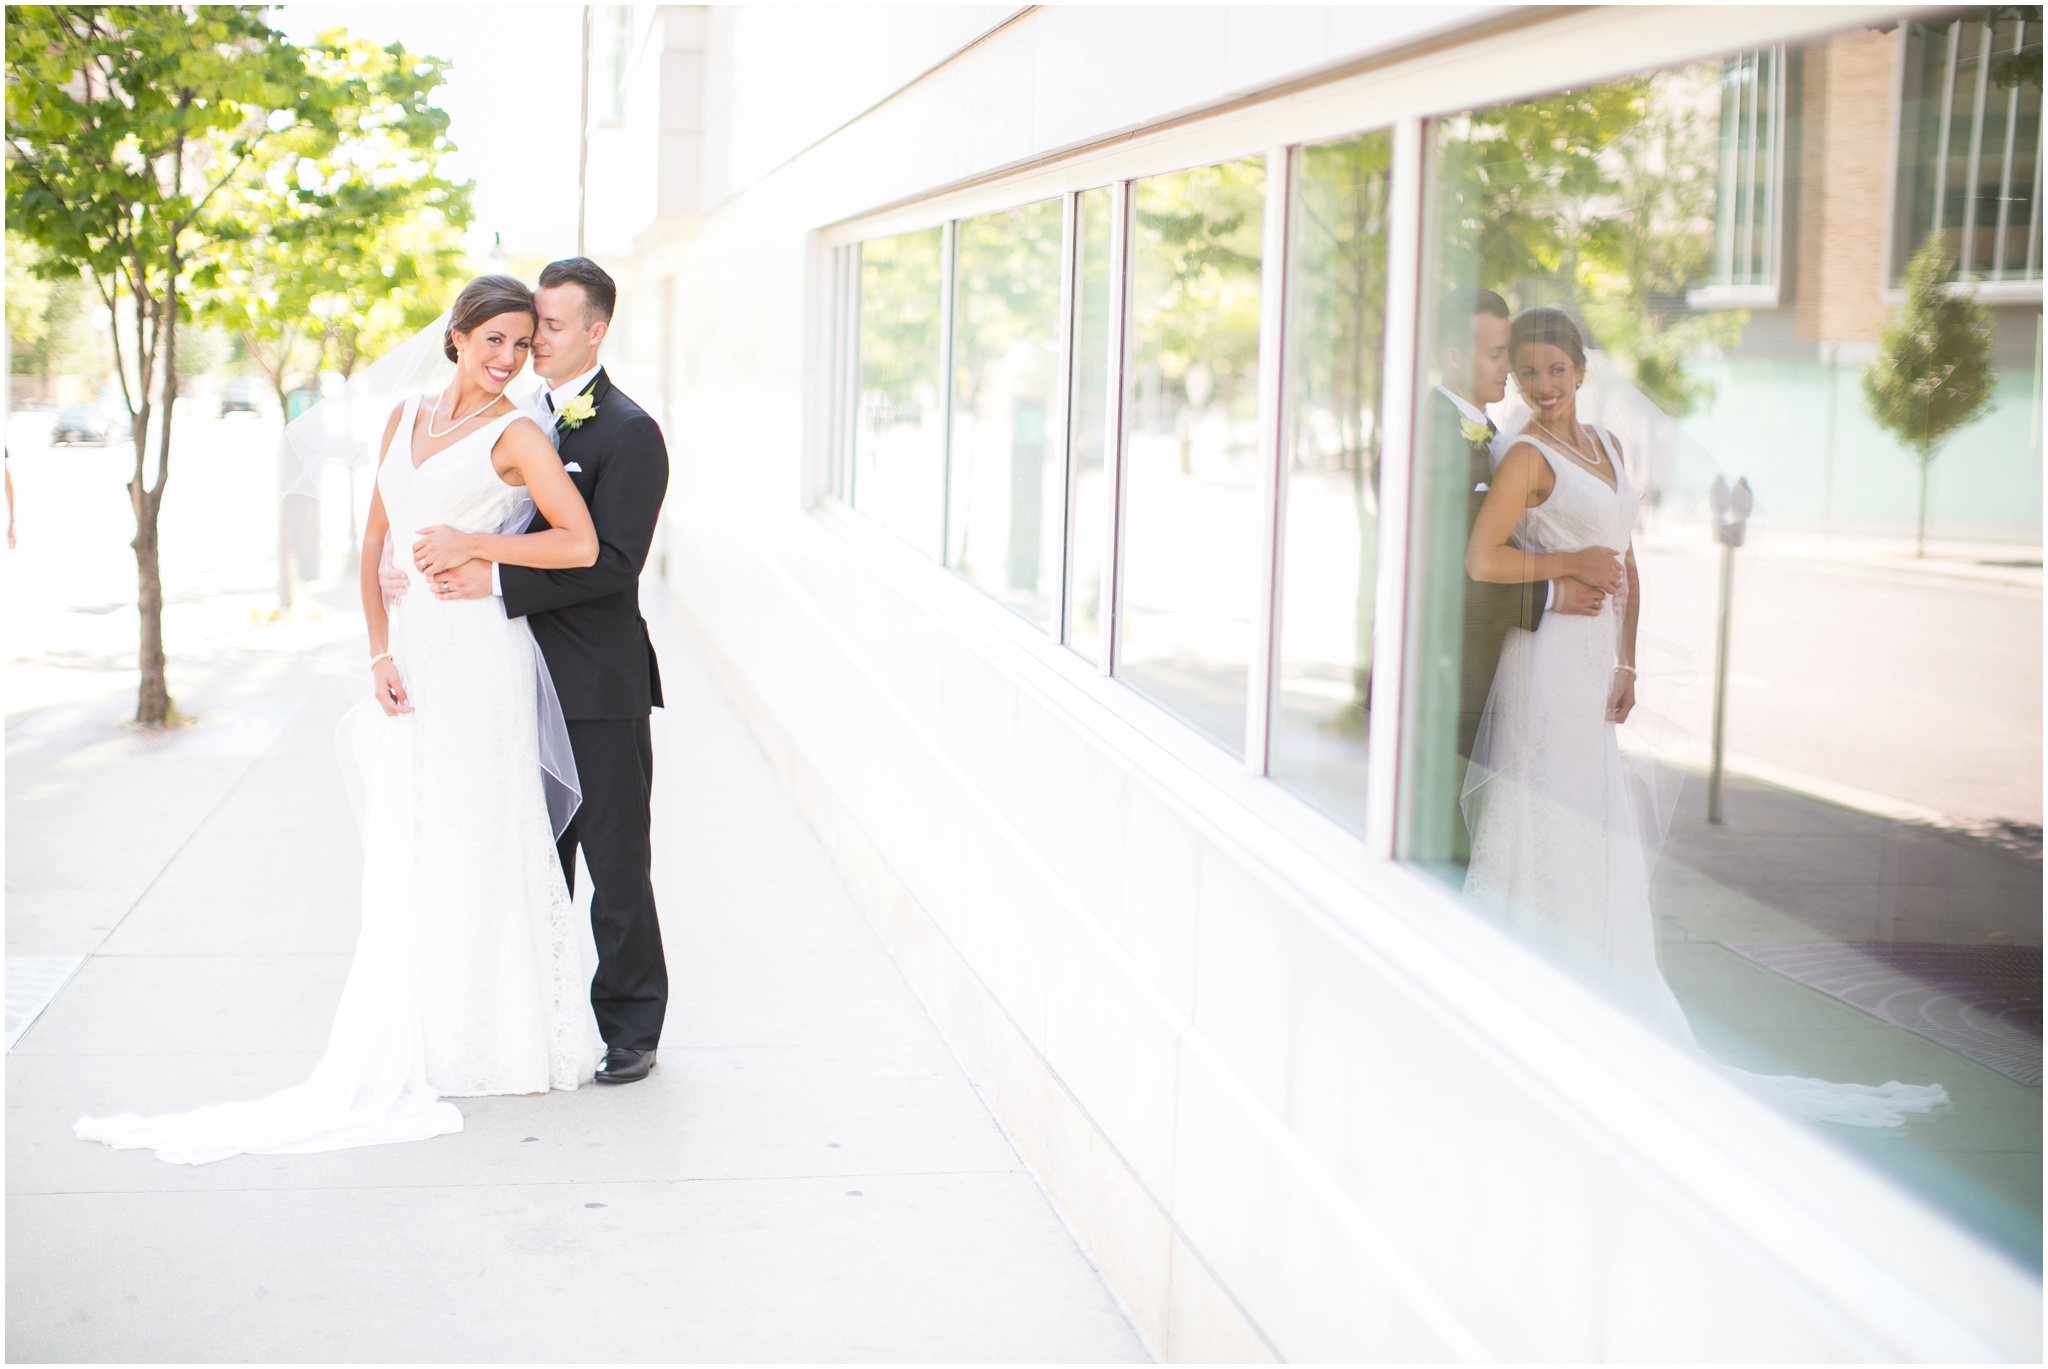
x=2005 y=290
x=1766 y=293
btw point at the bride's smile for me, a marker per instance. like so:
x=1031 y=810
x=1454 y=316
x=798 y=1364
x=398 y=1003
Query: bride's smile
x=493 y=352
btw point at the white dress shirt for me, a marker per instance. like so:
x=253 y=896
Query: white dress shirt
x=1465 y=406
x=562 y=394
x=1478 y=415
x=542 y=406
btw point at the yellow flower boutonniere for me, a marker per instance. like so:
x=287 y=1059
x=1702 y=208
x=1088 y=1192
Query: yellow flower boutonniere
x=1474 y=433
x=576 y=411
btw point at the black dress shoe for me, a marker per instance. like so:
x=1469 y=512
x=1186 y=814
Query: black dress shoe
x=622 y=1066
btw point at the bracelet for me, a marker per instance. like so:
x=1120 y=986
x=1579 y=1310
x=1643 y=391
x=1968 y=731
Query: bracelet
x=1629 y=668
x=380 y=656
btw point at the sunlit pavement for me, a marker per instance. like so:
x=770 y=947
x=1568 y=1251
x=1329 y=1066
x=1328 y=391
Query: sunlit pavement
x=808 y=1176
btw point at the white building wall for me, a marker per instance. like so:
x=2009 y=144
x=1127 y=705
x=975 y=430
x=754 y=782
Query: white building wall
x=1295 y=1102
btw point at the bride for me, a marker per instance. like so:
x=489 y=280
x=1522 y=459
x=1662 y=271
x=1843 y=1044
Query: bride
x=1562 y=837
x=466 y=973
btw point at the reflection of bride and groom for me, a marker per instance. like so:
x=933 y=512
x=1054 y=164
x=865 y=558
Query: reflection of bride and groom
x=508 y=728
x=1562 y=828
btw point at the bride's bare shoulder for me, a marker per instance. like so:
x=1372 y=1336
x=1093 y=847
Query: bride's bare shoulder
x=391 y=429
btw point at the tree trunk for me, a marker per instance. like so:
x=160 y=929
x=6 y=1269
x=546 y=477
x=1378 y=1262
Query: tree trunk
x=153 y=708
x=153 y=705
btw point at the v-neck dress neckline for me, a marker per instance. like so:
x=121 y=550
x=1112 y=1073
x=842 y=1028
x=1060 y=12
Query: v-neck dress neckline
x=412 y=443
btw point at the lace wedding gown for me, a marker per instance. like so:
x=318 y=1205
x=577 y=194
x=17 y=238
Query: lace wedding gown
x=1564 y=830
x=468 y=976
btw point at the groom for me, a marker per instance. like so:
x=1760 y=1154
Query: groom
x=590 y=630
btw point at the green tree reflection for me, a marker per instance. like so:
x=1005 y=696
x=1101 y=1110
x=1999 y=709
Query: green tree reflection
x=1600 y=201
x=1199 y=243
x=1336 y=326
x=899 y=323
x=1007 y=289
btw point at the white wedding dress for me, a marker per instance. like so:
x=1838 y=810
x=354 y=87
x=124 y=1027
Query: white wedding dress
x=469 y=975
x=1565 y=829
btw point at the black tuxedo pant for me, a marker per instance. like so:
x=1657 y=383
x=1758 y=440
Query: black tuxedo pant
x=615 y=765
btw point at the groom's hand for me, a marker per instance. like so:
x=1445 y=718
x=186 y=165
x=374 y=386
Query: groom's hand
x=1577 y=598
x=470 y=580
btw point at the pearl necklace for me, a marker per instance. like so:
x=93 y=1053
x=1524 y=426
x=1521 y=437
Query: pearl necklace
x=1598 y=458
x=431 y=434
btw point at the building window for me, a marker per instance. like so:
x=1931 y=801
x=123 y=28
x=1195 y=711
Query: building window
x=1006 y=490
x=1191 y=532
x=1097 y=334
x=1806 y=915
x=1970 y=145
x=1748 y=209
x=900 y=433
x=1336 y=303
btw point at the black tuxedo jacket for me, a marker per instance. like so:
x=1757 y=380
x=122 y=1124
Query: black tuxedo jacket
x=1490 y=610
x=587 y=620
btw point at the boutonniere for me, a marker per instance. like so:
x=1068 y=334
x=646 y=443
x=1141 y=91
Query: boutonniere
x=575 y=412
x=1474 y=432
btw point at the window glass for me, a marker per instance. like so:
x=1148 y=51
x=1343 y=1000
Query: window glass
x=837 y=390
x=1191 y=491
x=1337 y=288
x=1746 y=226
x=1007 y=495
x=1778 y=792
x=899 y=439
x=1970 y=143
x=1089 y=415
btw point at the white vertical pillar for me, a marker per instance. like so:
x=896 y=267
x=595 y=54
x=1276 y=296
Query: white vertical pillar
x=1258 y=712
x=1398 y=461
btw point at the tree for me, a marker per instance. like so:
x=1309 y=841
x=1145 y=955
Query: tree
x=345 y=236
x=1195 y=288
x=124 y=123
x=1336 y=346
x=1932 y=374
x=1600 y=201
x=50 y=331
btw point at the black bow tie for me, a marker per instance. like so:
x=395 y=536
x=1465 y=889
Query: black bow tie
x=550 y=398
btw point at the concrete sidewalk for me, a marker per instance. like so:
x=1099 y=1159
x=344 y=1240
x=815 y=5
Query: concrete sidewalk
x=809 y=1176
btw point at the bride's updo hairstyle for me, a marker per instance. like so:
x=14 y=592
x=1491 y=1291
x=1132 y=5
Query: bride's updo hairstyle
x=482 y=300
x=1544 y=324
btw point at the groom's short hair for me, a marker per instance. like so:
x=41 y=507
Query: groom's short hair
x=600 y=292
x=1455 y=312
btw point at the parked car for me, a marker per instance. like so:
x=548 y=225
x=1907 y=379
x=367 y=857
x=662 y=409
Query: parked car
x=241 y=395
x=97 y=424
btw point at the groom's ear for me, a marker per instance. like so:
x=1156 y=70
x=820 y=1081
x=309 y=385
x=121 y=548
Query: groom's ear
x=598 y=330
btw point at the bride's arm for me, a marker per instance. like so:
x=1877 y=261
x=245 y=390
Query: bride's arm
x=1621 y=697
x=1522 y=481
x=389 y=688
x=523 y=457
